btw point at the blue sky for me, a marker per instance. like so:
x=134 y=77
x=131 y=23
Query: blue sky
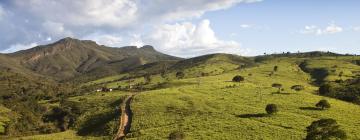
x=277 y=23
x=186 y=28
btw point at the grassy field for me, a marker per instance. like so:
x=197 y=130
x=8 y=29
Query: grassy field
x=214 y=107
x=3 y=118
x=212 y=110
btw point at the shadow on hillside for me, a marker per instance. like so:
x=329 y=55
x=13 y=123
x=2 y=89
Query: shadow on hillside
x=309 y=108
x=281 y=93
x=97 y=125
x=259 y=115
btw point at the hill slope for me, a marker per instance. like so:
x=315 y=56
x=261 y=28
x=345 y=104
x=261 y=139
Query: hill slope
x=68 y=58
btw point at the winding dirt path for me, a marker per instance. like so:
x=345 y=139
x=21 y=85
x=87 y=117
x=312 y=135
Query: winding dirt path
x=125 y=119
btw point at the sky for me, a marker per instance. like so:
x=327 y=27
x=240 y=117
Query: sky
x=186 y=28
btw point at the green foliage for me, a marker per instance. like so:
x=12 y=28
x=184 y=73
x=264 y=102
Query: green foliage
x=276 y=68
x=324 y=129
x=238 y=78
x=297 y=87
x=177 y=135
x=277 y=85
x=323 y=104
x=271 y=109
x=180 y=75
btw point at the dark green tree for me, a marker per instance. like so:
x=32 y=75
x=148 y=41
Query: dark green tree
x=323 y=104
x=324 y=129
x=238 y=78
x=177 y=135
x=297 y=87
x=277 y=85
x=276 y=68
x=180 y=75
x=147 y=78
x=271 y=108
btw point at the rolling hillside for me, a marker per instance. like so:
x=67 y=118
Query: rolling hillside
x=69 y=58
x=204 y=103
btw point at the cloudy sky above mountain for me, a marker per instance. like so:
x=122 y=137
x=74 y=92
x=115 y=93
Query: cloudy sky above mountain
x=186 y=27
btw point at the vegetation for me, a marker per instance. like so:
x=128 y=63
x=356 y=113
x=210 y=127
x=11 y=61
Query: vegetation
x=278 y=86
x=271 y=109
x=324 y=129
x=177 y=135
x=323 y=104
x=180 y=75
x=167 y=104
x=297 y=87
x=238 y=78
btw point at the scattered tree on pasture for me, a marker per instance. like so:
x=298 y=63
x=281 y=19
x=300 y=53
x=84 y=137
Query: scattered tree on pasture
x=324 y=129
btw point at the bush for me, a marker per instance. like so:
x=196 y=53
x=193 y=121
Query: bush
x=297 y=87
x=177 y=135
x=277 y=85
x=180 y=75
x=324 y=129
x=323 y=104
x=238 y=78
x=271 y=108
x=276 y=68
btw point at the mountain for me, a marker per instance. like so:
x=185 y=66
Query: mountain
x=69 y=58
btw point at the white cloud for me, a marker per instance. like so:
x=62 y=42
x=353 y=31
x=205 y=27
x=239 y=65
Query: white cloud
x=114 y=13
x=186 y=39
x=55 y=29
x=106 y=21
x=2 y=12
x=245 y=26
x=105 y=39
x=330 y=29
x=356 y=28
x=18 y=47
x=136 y=40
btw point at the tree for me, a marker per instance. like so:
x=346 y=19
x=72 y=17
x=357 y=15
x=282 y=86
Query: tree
x=324 y=129
x=297 y=87
x=238 y=78
x=323 y=104
x=180 y=75
x=147 y=78
x=177 y=135
x=277 y=85
x=271 y=108
x=276 y=68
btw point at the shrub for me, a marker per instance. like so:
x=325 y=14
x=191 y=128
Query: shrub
x=177 y=135
x=277 y=85
x=297 y=87
x=324 y=129
x=323 y=104
x=238 y=78
x=271 y=108
x=147 y=78
x=180 y=75
x=276 y=68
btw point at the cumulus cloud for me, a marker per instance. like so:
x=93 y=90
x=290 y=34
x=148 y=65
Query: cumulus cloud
x=356 y=28
x=37 y=20
x=2 y=12
x=105 y=39
x=187 y=39
x=330 y=29
x=17 y=47
x=245 y=26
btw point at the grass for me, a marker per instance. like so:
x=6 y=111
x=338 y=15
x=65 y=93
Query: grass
x=212 y=111
x=3 y=118
x=213 y=107
x=67 y=135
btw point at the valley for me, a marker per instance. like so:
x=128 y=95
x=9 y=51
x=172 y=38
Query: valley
x=157 y=96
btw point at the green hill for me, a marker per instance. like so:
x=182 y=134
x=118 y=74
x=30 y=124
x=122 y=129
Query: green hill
x=203 y=103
